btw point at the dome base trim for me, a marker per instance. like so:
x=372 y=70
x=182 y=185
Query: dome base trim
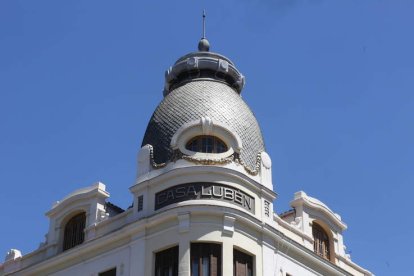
x=153 y=163
x=207 y=161
x=256 y=169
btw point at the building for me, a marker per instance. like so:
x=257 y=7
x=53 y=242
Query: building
x=202 y=201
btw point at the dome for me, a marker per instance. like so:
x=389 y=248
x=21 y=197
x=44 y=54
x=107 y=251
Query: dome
x=203 y=98
x=204 y=86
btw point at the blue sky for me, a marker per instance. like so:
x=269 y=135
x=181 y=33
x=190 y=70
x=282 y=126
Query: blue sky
x=331 y=84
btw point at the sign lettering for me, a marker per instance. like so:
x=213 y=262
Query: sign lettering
x=201 y=190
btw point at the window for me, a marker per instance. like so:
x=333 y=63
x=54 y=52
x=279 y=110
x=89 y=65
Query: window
x=111 y=272
x=321 y=241
x=242 y=264
x=140 y=203
x=206 y=144
x=166 y=262
x=74 y=233
x=205 y=259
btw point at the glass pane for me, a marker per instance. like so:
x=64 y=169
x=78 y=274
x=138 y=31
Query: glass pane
x=166 y=262
x=193 y=145
x=243 y=263
x=194 y=268
x=220 y=147
x=111 y=272
x=205 y=259
x=206 y=265
x=206 y=144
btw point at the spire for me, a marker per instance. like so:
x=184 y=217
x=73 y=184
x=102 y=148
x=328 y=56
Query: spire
x=204 y=45
x=204 y=24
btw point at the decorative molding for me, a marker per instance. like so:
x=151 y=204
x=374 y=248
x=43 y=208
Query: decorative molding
x=205 y=65
x=183 y=222
x=192 y=63
x=267 y=208
x=266 y=161
x=102 y=215
x=228 y=224
x=153 y=164
x=207 y=125
x=177 y=154
x=297 y=222
x=13 y=254
x=208 y=161
x=223 y=66
x=256 y=169
x=322 y=211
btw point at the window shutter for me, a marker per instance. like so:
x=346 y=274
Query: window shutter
x=242 y=264
x=213 y=265
x=74 y=231
x=321 y=241
x=205 y=259
x=166 y=262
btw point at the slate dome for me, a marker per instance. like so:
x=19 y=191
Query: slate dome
x=203 y=84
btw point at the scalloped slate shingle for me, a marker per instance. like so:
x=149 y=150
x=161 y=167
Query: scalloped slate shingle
x=194 y=100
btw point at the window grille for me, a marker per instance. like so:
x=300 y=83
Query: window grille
x=267 y=208
x=205 y=259
x=206 y=144
x=166 y=262
x=140 y=203
x=321 y=241
x=74 y=233
x=242 y=264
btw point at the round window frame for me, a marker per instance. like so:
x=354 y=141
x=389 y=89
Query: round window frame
x=216 y=142
x=205 y=126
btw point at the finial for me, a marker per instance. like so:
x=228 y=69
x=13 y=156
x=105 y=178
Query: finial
x=204 y=45
x=204 y=24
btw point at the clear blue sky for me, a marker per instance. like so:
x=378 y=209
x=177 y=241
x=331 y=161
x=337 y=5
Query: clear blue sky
x=331 y=84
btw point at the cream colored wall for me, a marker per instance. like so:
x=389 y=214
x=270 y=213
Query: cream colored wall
x=118 y=258
x=286 y=265
x=134 y=254
x=130 y=240
x=203 y=228
x=211 y=174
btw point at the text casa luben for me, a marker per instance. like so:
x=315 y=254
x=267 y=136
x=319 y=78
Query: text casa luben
x=200 y=190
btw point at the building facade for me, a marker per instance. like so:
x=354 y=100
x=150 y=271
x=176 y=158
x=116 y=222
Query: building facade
x=202 y=200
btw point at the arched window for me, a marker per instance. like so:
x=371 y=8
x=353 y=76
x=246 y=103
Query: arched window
x=74 y=233
x=321 y=241
x=206 y=144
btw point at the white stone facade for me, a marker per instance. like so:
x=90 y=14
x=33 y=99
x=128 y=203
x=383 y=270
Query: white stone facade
x=127 y=241
x=196 y=197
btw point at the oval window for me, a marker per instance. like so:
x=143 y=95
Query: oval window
x=206 y=144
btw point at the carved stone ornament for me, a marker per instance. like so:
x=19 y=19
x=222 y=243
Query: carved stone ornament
x=207 y=161
x=103 y=215
x=13 y=254
x=297 y=222
x=207 y=125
